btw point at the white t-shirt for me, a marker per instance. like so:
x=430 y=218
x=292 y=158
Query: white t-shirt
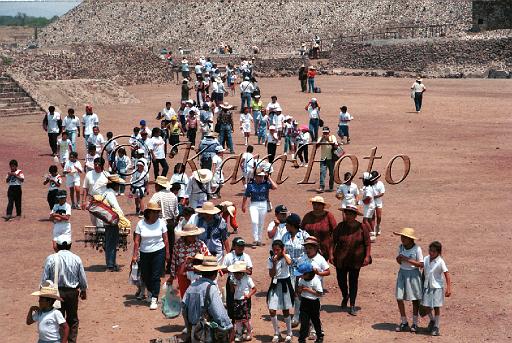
x=245 y=122
x=61 y=228
x=414 y=253
x=53 y=126
x=151 y=239
x=345 y=118
x=218 y=175
x=243 y=287
x=88 y=122
x=89 y=161
x=55 y=182
x=314 y=113
x=349 y=194
x=282 y=268
x=318 y=262
x=72 y=169
x=418 y=87
x=248 y=159
x=71 y=124
x=379 y=189
x=198 y=69
x=281 y=230
x=182 y=179
x=168 y=113
x=91 y=178
x=271 y=107
x=157 y=144
x=64 y=148
x=272 y=138
x=97 y=140
x=434 y=271
x=367 y=191
x=315 y=284
x=279 y=121
x=231 y=258
x=139 y=179
x=48 y=324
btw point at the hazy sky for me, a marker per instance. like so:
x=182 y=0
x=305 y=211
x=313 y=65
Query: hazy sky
x=37 y=8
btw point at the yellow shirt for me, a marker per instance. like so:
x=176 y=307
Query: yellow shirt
x=257 y=106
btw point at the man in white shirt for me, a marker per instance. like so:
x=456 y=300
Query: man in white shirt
x=71 y=124
x=95 y=182
x=52 y=123
x=156 y=147
x=218 y=91
x=246 y=90
x=89 y=120
x=96 y=139
x=418 y=88
x=168 y=112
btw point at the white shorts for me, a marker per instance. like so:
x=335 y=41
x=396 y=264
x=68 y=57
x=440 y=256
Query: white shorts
x=72 y=182
x=378 y=203
x=368 y=211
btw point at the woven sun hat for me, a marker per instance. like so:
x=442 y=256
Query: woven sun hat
x=208 y=208
x=226 y=106
x=152 y=206
x=114 y=178
x=319 y=199
x=190 y=230
x=48 y=290
x=199 y=256
x=406 y=232
x=238 y=267
x=163 y=181
x=203 y=175
x=209 y=265
x=351 y=208
x=311 y=241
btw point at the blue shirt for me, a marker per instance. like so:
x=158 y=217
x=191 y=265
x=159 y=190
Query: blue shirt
x=215 y=234
x=258 y=191
x=210 y=144
x=294 y=247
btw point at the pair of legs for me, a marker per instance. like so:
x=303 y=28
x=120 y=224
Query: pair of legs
x=314 y=125
x=271 y=151
x=74 y=193
x=246 y=137
x=418 y=101
x=225 y=138
x=348 y=291
x=156 y=167
x=52 y=139
x=310 y=312
x=275 y=324
x=344 y=132
x=311 y=85
x=111 y=241
x=378 y=219
x=69 y=309
x=303 y=85
x=303 y=154
x=152 y=264
x=13 y=200
x=258 y=212
x=324 y=166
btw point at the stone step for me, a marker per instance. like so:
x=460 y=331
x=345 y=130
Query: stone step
x=13 y=95
x=16 y=100
x=17 y=104
x=20 y=109
x=20 y=114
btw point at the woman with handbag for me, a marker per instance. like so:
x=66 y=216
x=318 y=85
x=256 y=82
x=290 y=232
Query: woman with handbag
x=351 y=250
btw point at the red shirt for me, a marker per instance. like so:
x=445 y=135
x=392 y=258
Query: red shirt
x=311 y=74
x=322 y=228
x=231 y=220
x=350 y=242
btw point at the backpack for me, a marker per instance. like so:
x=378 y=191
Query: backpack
x=206 y=330
x=317 y=90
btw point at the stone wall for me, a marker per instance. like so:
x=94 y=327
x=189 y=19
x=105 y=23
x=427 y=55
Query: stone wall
x=492 y=15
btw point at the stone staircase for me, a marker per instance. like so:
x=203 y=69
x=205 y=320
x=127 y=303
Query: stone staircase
x=14 y=100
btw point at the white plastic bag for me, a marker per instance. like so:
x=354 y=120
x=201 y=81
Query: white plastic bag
x=134 y=277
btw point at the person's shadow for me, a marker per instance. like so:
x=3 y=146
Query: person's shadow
x=384 y=326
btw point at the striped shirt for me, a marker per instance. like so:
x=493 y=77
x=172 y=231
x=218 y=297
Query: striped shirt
x=294 y=246
x=168 y=202
x=71 y=270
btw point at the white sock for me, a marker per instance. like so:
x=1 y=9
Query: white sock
x=239 y=328
x=403 y=320
x=431 y=316
x=288 y=321
x=275 y=325
x=415 y=320
x=436 y=319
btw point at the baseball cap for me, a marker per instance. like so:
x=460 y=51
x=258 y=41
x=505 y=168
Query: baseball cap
x=63 y=239
x=281 y=209
x=142 y=122
x=303 y=268
x=62 y=194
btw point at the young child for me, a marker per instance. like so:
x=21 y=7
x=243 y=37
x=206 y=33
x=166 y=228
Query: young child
x=347 y=192
x=180 y=177
x=60 y=215
x=378 y=190
x=271 y=143
x=247 y=165
x=218 y=176
x=263 y=123
x=65 y=146
x=287 y=134
x=367 y=198
x=344 y=121
x=279 y=120
x=243 y=288
x=434 y=288
x=191 y=127
x=72 y=171
x=122 y=164
x=303 y=139
x=139 y=185
x=245 y=124
x=280 y=295
x=53 y=180
x=408 y=282
x=90 y=157
x=309 y=289
x=110 y=147
x=277 y=228
x=14 y=180
x=51 y=322
x=133 y=141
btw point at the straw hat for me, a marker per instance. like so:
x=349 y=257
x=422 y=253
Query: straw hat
x=199 y=256
x=163 y=181
x=203 y=175
x=209 y=265
x=320 y=200
x=208 y=208
x=190 y=230
x=226 y=106
x=226 y=203
x=114 y=178
x=152 y=206
x=407 y=232
x=311 y=241
x=366 y=176
x=238 y=267
x=351 y=208
x=229 y=207
x=48 y=290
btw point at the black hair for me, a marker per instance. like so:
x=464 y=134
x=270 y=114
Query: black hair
x=179 y=168
x=71 y=111
x=136 y=129
x=155 y=131
x=279 y=243
x=347 y=176
x=250 y=148
x=51 y=109
x=167 y=103
x=436 y=246
x=64 y=132
x=110 y=134
x=53 y=169
x=91 y=146
x=99 y=160
x=13 y=163
x=343 y=109
x=73 y=154
x=187 y=211
x=176 y=186
x=123 y=150
x=64 y=246
x=209 y=274
x=367 y=182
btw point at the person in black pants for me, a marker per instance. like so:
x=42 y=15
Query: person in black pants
x=309 y=288
x=271 y=143
x=14 y=179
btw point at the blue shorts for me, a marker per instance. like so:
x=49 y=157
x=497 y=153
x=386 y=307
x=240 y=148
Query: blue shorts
x=343 y=131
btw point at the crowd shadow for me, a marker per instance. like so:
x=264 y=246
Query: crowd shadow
x=96 y=268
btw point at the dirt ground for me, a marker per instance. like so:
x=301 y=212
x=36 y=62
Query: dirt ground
x=457 y=193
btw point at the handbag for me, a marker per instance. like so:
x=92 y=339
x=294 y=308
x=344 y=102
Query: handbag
x=103 y=211
x=320 y=122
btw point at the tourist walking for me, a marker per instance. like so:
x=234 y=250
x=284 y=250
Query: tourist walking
x=303 y=78
x=320 y=223
x=71 y=124
x=417 y=90
x=313 y=109
x=52 y=124
x=226 y=127
x=328 y=145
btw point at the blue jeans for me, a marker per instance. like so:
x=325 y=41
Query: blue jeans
x=246 y=98
x=86 y=138
x=311 y=85
x=256 y=116
x=152 y=266
x=287 y=144
x=324 y=165
x=111 y=240
x=314 y=124
x=225 y=134
x=72 y=138
x=418 y=100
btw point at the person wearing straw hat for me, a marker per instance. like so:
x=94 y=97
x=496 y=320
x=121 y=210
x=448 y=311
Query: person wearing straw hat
x=328 y=145
x=67 y=271
x=51 y=322
x=320 y=223
x=204 y=296
x=216 y=231
x=408 y=281
x=150 y=238
x=351 y=250
x=198 y=189
x=258 y=191
x=186 y=247
x=243 y=288
x=417 y=90
x=228 y=213
x=378 y=190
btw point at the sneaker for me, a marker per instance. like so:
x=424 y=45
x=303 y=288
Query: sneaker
x=431 y=325
x=154 y=304
x=403 y=327
x=414 y=328
x=276 y=338
x=238 y=338
x=435 y=331
x=352 y=311
x=295 y=323
x=320 y=190
x=344 y=303
x=288 y=339
x=373 y=239
x=312 y=336
x=247 y=338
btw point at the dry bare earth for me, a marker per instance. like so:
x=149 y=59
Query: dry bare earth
x=458 y=192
